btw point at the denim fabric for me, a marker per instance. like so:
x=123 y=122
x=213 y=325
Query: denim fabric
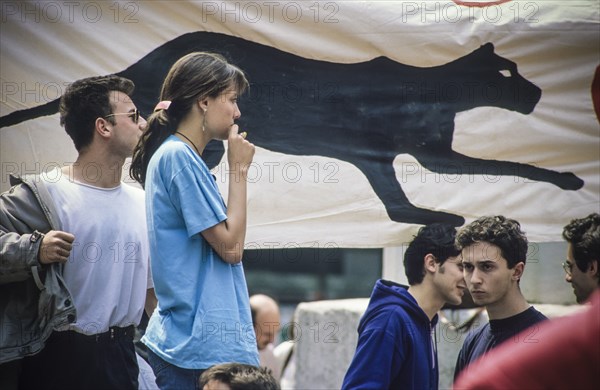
x=170 y=377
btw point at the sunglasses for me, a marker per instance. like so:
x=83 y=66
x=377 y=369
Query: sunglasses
x=567 y=267
x=134 y=115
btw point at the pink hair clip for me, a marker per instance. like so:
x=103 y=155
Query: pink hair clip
x=163 y=105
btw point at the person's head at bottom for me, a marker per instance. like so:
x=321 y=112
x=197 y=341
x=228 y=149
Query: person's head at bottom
x=237 y=376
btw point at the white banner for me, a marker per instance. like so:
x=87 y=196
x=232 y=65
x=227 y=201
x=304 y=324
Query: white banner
x=370 y=117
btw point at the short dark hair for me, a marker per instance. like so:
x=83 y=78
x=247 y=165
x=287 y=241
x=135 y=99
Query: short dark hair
x=584 y=236
x=240 y=376
x=498 y=230
x=86 y=100
x=437 y=239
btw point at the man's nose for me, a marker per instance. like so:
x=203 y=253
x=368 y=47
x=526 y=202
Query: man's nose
x=475 y=277
x=142 y=123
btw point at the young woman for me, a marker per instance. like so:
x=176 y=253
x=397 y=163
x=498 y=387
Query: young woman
x=196 y=241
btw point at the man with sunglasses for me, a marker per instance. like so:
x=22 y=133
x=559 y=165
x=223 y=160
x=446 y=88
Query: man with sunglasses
x=74 y=279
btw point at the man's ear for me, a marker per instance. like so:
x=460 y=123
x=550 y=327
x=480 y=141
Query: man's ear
x=593 y=268
x=518 y=271
x=103 y=127
x=429 y=263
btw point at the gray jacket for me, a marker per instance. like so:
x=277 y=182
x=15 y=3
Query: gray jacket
x=33 y=296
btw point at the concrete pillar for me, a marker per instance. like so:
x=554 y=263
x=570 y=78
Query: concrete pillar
x=326 y=338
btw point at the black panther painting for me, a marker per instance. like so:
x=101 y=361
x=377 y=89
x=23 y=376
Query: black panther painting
x=363 y=113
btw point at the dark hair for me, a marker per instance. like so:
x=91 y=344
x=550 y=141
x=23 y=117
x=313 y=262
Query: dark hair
x=436 y=239
x=584 y=236
x=240 y=376
x=193 y=77
x=86 y=100
x=503 y=232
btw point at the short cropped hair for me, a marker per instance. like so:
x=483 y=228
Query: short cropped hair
x=436 y=239
x=240 y=376
x=86 y=100
x=498 y=230
x=584 y=236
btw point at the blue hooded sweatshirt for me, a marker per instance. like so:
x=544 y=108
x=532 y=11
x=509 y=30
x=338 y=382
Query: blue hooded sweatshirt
x=395 y=349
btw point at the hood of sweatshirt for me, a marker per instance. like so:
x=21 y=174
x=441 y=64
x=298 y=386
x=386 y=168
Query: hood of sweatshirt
x=388 y=293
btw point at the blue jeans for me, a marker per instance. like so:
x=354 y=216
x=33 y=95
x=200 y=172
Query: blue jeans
x=171 y=377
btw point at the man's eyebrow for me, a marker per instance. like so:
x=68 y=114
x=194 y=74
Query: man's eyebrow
x=486 y=261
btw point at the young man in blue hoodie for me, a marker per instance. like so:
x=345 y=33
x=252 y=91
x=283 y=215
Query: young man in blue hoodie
x=395 y=348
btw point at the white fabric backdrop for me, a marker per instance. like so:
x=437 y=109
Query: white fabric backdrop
x=316 y=201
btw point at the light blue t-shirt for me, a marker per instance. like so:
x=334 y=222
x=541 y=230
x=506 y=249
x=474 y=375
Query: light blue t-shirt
x=203 y=315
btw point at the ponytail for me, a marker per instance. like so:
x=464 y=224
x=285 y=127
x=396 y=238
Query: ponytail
x=158 y=129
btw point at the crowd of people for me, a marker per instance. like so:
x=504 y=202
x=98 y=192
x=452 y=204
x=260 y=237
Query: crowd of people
x=84 y=255
x=395 y=347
